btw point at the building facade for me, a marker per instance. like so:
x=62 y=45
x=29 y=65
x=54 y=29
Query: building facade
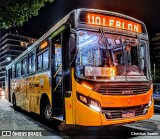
x=11 y=46
x=155 y=57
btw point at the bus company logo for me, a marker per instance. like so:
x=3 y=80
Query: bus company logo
x=127 y=92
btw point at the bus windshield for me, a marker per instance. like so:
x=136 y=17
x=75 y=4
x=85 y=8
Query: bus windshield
x=111 y=57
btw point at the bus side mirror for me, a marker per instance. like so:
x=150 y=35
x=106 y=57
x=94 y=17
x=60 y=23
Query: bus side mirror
x=66 y=64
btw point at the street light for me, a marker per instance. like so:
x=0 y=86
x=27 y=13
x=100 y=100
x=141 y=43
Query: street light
x=8 y=58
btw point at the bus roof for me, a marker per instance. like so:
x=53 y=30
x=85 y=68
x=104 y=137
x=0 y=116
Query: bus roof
x=62 y=22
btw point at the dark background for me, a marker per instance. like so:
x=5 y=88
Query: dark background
x=147 y=11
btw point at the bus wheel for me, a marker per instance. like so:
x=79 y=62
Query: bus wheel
x=46 y=111
x=14 y=102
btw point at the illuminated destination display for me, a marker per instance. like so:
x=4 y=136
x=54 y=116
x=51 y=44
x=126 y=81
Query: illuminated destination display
x=110 y=21
x=44 y=45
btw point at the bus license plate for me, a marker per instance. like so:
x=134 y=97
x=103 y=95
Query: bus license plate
x=127 y=114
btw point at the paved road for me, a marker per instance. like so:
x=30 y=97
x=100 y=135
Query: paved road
x=20 y=120
x=15 y=120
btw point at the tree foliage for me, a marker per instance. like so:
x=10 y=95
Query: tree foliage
x=15 y=12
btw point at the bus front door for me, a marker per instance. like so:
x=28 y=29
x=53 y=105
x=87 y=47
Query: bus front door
x=57 y=95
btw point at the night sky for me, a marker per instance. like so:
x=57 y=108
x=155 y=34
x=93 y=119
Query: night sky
x=147 y=11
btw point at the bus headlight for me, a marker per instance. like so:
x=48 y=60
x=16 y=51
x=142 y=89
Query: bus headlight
x=147 y=107
x=150 y=102
x=93 y=104
x=83 y=99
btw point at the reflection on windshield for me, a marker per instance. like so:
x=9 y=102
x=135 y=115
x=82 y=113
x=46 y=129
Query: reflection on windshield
x=127 y=56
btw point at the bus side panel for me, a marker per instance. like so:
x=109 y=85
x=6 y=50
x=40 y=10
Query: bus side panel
x=27 y=88
x=6 y=91
x=22 y=90
x=17 y=91
x=34 y=95
x=69 y=110
x=41 y=86
x=24 y=95
x=69 y=103
x=12 y=89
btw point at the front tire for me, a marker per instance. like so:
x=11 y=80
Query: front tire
x=46 y=111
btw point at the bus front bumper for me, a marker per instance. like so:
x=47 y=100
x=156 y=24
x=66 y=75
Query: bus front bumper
x=87 y=117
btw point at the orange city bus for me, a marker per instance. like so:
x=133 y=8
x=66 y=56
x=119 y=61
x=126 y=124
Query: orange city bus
x=92 y=63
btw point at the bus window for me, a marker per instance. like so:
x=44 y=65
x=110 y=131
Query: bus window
x=58 y=63
x=18 y=69
x=39 y=62
x=45 y=59
x=43 y=56
x=31 y=62
x=24 y=65
x=58 y=55
x=121 y=53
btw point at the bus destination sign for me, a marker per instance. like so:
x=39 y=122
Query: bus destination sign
x=110 y=21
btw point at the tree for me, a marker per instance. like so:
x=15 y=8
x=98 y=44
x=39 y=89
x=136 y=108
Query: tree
x=15 y=12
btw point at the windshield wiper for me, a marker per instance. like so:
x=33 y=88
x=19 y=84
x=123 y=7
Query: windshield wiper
x=104 y=38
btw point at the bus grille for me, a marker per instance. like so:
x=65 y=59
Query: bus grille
x=116 y=113
x=122 y=90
